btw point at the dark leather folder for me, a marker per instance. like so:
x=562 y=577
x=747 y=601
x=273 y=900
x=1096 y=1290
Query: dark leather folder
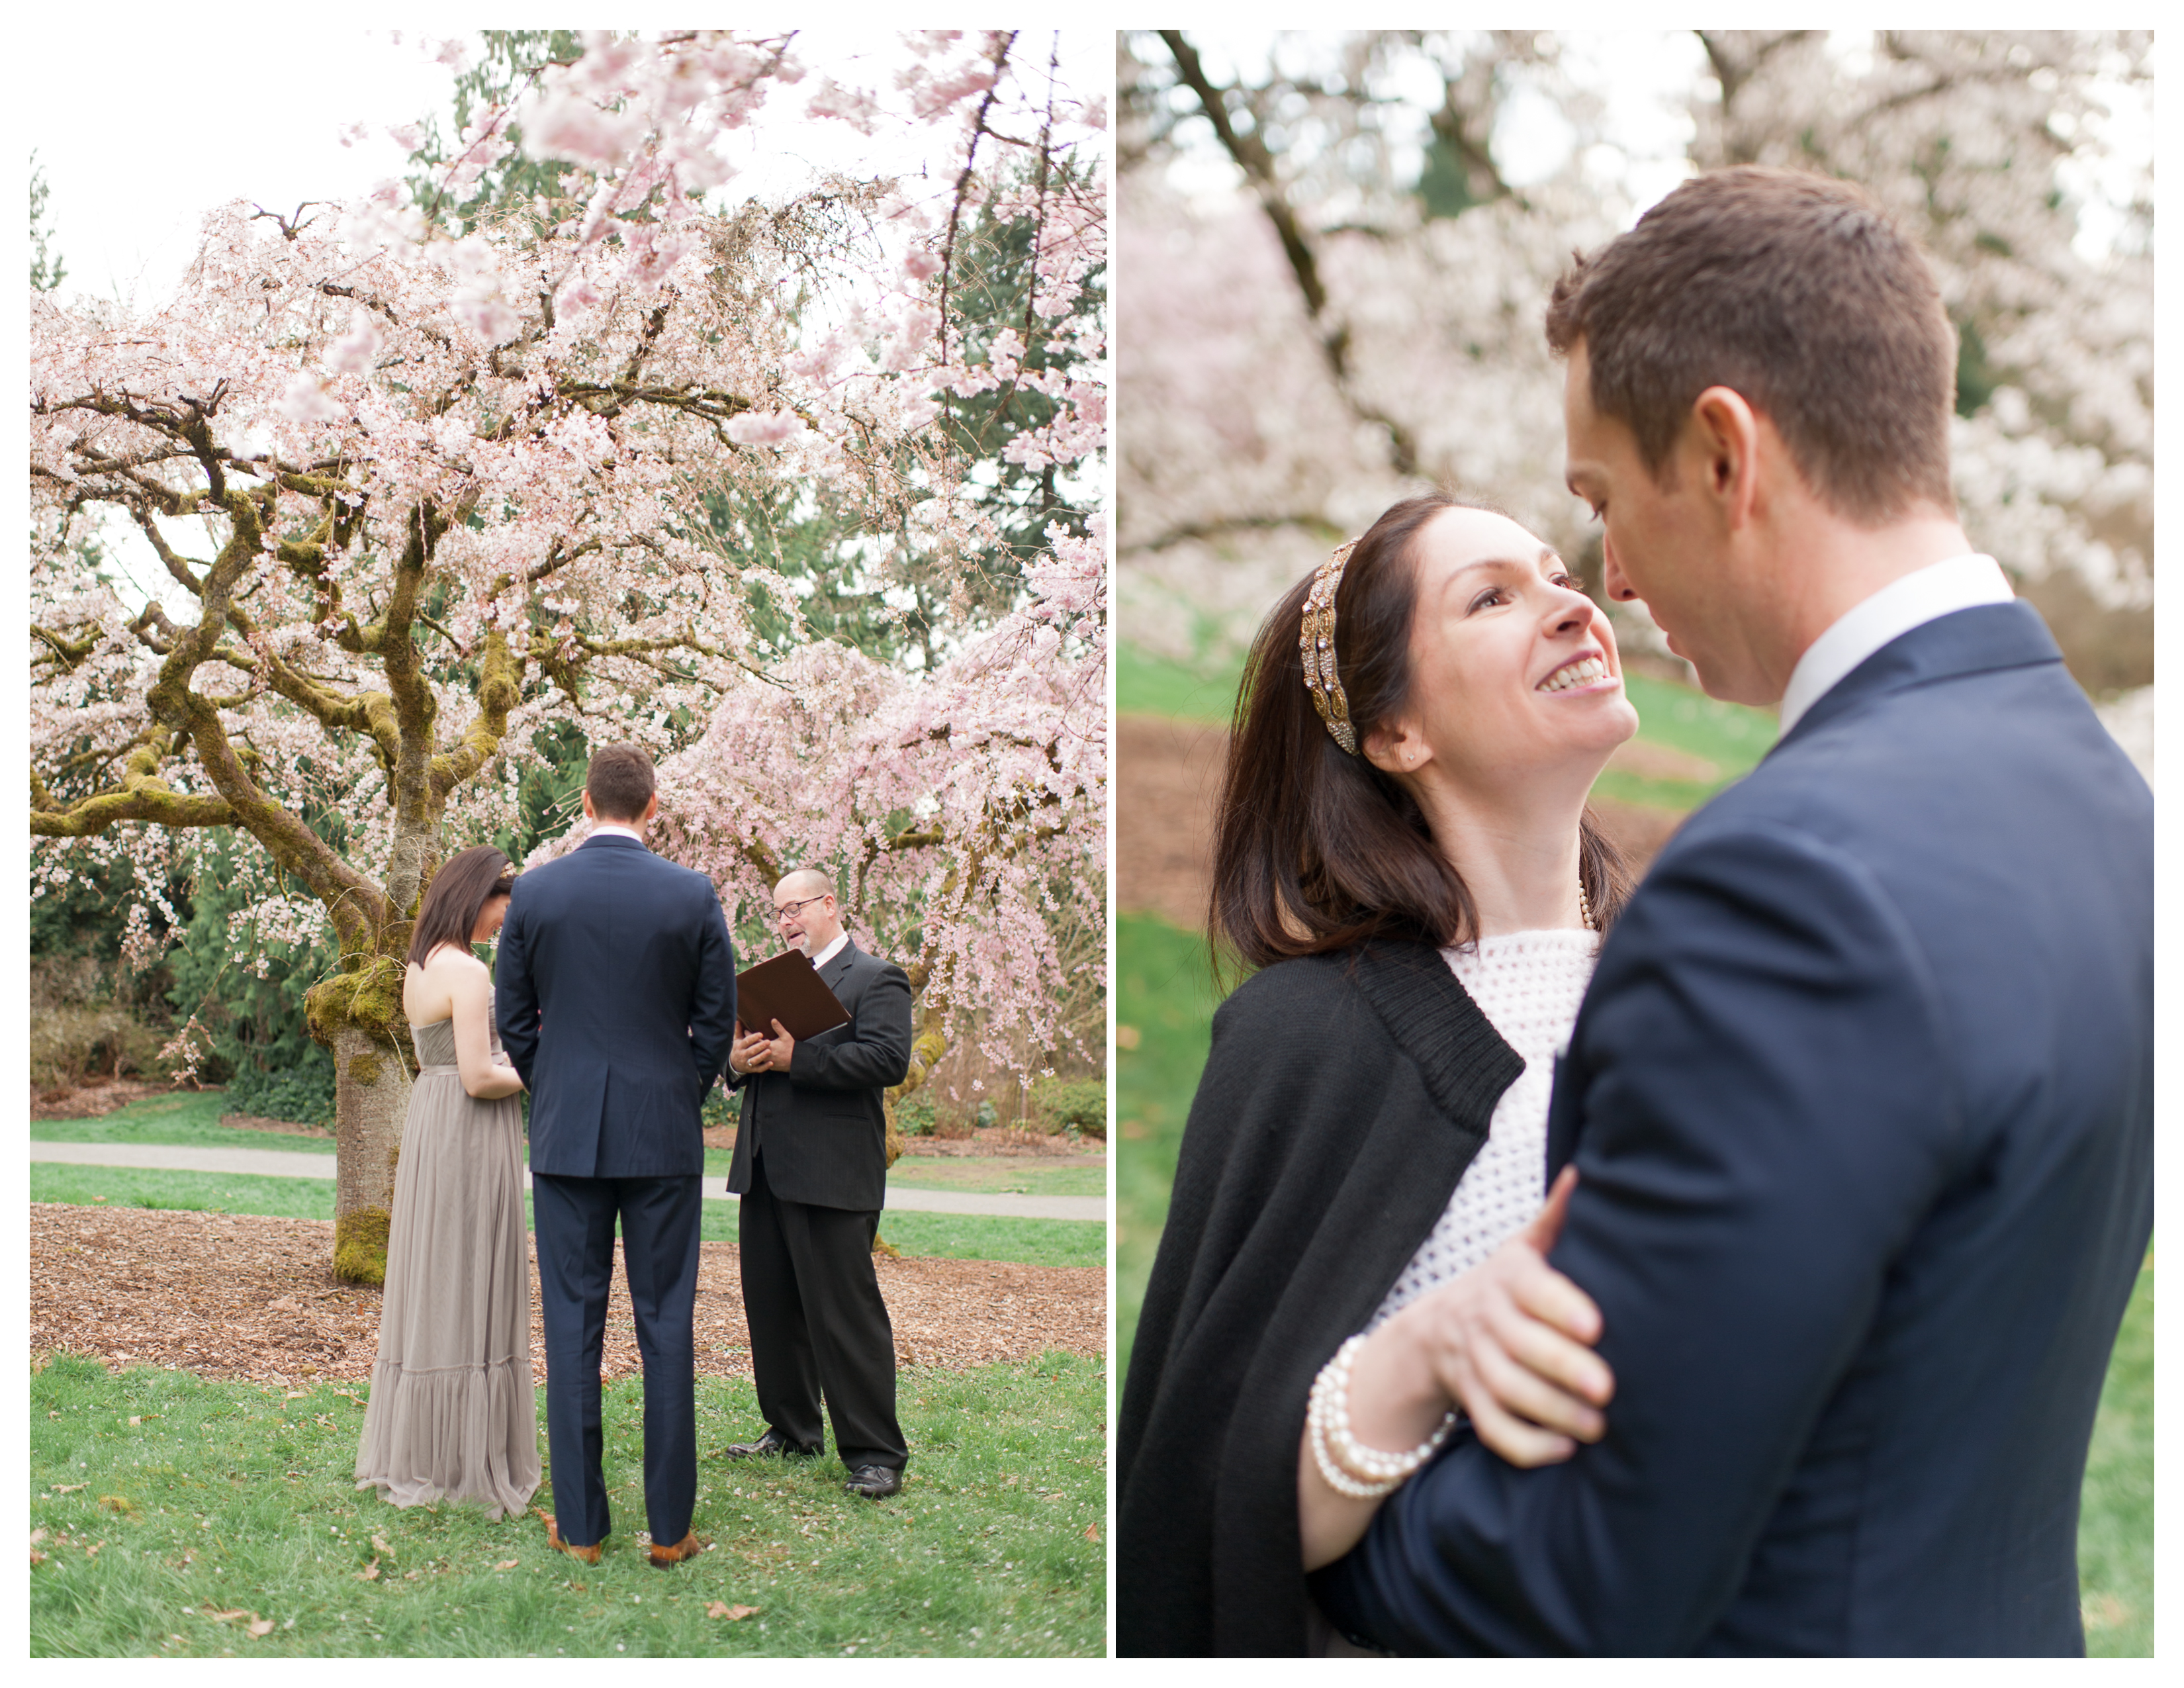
x=787 y=988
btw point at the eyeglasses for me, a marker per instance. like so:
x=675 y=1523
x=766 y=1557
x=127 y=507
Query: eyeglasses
x=788 y=909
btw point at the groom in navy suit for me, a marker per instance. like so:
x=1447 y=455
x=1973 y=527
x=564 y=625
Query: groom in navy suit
x=616 y=995
x=1861 y=1097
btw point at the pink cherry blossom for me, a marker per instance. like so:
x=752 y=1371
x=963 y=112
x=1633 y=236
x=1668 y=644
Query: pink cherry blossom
x=417 y=518
x=757 y=427
x=304 y=400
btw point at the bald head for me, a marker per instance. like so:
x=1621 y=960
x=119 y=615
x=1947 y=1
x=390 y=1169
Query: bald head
x=805 y=911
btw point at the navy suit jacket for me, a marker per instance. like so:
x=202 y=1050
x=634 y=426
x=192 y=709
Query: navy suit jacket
x=1861 y=1102
x=615 y=989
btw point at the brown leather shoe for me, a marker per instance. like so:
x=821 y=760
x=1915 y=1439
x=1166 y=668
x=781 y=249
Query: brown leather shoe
x=589 y=1555
x=689 y=1547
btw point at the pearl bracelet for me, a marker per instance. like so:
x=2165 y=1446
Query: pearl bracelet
x=1348 y=1466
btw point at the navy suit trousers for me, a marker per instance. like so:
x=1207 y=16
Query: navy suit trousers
x=575 y=1226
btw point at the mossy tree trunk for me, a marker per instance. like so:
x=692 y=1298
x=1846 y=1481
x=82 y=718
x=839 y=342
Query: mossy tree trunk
x=357 y=1013
x=371 y=1100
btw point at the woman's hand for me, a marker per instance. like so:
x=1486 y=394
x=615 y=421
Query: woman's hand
x=1510 y=1342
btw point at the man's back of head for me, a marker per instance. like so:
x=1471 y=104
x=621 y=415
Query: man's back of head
x=619 y=784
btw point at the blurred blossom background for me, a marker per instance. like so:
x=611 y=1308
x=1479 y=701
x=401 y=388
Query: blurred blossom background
x=1337 y=249
x=1335 y=253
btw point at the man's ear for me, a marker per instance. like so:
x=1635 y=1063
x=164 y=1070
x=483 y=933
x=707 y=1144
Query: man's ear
x=651 y=808
x=589 y=814
x=1722 y=437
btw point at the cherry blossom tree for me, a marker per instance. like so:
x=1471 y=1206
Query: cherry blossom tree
x=426 y=497
x=962 y=814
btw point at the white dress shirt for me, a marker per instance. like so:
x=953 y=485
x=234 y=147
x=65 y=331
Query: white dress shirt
x=832 y=950
x=601 y=828
x=1920 y=597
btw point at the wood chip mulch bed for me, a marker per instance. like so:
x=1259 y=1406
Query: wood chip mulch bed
x=238 y=1296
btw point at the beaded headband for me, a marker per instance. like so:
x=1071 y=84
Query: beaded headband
x=1316 y=642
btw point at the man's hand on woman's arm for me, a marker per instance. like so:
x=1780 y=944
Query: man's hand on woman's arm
x=1510 y=1342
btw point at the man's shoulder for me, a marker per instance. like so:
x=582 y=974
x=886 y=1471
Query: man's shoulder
x=864 y=964
x=566 y=873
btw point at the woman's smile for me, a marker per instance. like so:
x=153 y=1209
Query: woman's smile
x=1587 y=671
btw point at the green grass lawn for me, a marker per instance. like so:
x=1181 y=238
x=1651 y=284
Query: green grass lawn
x=191 y=1192
x=1163 y=990
x=1146 y=684
x=2115 y=1525
x=161 y=1502
x=1021 y=1174
x=948 y=1236
x=187 y=1118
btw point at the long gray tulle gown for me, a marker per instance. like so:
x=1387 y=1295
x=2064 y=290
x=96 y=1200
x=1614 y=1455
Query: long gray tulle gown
x=451 y=1414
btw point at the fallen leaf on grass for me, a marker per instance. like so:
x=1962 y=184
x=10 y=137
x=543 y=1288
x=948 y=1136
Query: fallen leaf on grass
x=505 y=1565
x=345 y=1395
x=1091 y=1532
x=68 y=1488
x=261 y=1626
x=117 y=1503
x=378 y=1542
x=221 y=1615
x=37 y=1536
x=297 y=1394
x=734 y=1614
x=369 y=1574
x=137 y=1420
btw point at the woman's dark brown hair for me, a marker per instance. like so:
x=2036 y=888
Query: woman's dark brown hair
x=1316 y=850
x=466 y=882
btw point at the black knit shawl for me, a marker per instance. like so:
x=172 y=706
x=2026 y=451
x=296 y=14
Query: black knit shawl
x=1343 y=1098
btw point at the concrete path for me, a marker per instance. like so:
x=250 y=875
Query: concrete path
x=280 y=1163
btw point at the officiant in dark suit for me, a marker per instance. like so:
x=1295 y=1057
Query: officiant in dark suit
x=810 y=1165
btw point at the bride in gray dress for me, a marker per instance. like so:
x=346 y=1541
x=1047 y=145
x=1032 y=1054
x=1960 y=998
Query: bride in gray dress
x=451 y=1414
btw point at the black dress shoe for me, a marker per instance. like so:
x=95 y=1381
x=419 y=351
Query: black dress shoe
x=771 y=1442
x=874 y=1482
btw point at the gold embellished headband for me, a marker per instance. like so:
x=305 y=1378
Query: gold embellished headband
x=1316 y=641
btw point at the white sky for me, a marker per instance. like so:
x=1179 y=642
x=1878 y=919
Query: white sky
x=180 y=117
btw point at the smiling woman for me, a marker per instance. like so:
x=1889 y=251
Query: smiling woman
x=1454 y=645
x=1403 y=848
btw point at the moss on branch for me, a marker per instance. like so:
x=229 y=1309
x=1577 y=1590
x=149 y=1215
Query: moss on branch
x=368 y=996
x=139 y=794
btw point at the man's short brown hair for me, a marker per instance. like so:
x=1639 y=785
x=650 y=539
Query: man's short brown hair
x=619 y=782
x=1800 y=293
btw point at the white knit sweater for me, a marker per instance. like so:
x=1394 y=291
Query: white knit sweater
x=1528 y=985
